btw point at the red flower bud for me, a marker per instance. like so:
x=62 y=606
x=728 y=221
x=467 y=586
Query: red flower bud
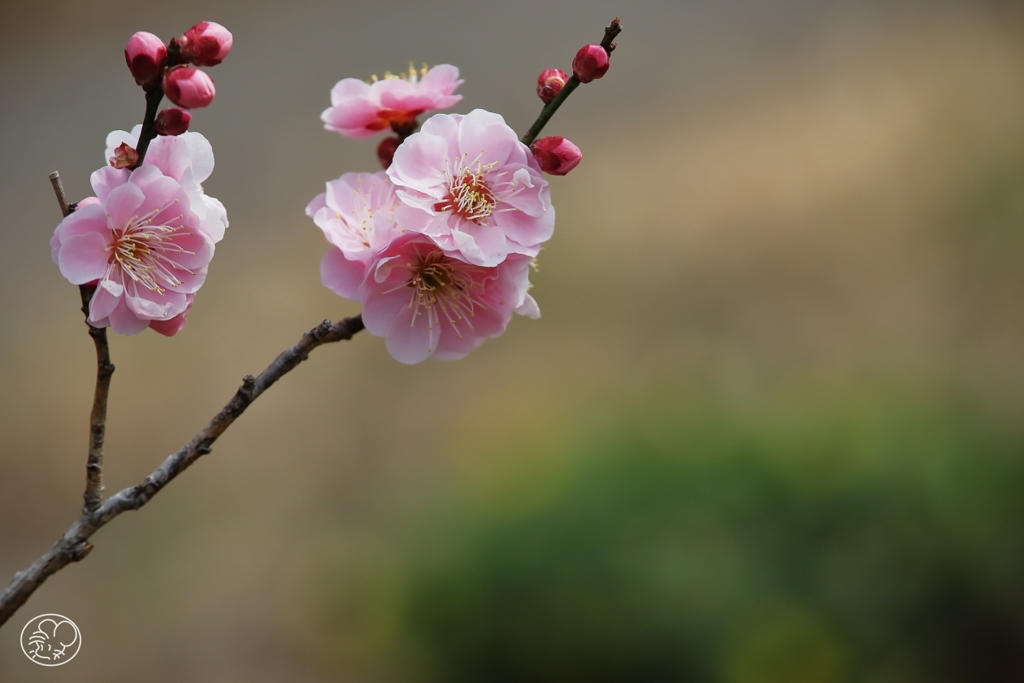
x=172 y=121
x=206 y=44
x=591 y=62
x=556 y=155
x=386 y=151
x=124 y=157
x=188 y=87
x=550 y=83
x=145 y=55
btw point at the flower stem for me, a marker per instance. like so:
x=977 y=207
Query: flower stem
x=549 y=110
x=153 y=98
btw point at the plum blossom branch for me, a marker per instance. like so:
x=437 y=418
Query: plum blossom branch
x=104 y=371
x=74 y=545
x=610 y=32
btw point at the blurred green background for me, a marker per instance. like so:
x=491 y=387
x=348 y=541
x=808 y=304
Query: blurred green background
x=768 y=429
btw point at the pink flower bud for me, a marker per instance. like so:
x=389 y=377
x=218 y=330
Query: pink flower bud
x=591 y=62
x=206 y=44
x=550 y=83
x=386 y=151
x=172 y=121
x=124 y=156
x=556 y=155
x=145 y=55
x=188 y=87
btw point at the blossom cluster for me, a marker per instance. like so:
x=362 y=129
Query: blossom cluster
x=144 y=242
x=438 y=247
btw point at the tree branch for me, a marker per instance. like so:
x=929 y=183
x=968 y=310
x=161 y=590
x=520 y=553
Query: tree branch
x=104 y=370
x=610 y=32
x=73 y=545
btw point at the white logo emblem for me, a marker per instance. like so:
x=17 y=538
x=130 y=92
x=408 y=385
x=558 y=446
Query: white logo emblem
x=50 y=640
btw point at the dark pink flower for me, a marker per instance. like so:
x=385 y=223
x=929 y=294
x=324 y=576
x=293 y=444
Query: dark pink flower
x=591 y=62
x=124 y=156
x=206 y=44
x=145 y=55
x=359 y=109
x=550 y=83
x=556 y=155
x=427 y=304
x=172 y=121
x=189 y=87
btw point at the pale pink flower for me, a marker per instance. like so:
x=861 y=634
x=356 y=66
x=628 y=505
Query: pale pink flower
x=467 y=182
x=427 y=304
x=359 y=109
x=141 y=246
x=357 y=213
x=173 y=326
x=188 y=158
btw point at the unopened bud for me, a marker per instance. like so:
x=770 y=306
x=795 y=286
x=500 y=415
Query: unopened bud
x=550 y=83
x=591 y=62
x=172 y=121
x=124 y=156
x=188 y=87
x=206 y=44
x=145 y=55
x=386 y=151
x=556 y=155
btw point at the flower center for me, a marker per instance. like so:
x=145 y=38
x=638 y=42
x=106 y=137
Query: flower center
x=444 y=286
x=468 y=194
x=145 y=252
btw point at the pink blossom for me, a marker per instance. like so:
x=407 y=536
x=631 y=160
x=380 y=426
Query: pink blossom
x=556 y=155
x=467 y=182
x=206 y=44
x=189 y=87
x=550 y=83
x=359 y=109
x=425 y=303
x=357 y=213
x=145 y=55
x=173 y=326
x=172 y=121
x=141 y=246
x=124 y=156
x=188 y=158
x=590 y=63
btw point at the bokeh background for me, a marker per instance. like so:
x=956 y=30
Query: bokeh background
x=768 y=429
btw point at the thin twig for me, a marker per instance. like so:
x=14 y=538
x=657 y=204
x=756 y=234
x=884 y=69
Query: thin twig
x=146 y=135
x=58 y=189
x=74 y=546
x=104 y=369
x=98 y=417
x=610 y=32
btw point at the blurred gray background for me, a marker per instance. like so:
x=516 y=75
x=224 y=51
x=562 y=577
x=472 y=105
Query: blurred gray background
x=767 y=429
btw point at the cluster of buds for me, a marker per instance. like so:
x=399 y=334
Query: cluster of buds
x=555 y=154
x=172 y=69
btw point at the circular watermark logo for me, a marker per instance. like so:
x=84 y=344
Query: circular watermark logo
x=50 y=640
